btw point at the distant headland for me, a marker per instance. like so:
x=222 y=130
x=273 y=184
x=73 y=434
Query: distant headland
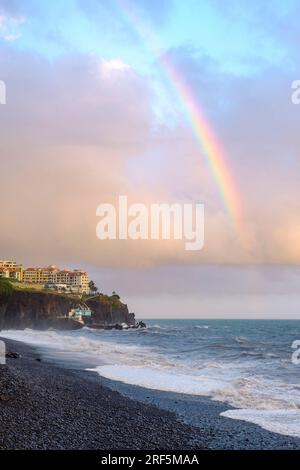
x=51 y=297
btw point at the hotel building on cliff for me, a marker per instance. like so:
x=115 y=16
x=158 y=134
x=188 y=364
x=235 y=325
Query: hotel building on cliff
x=10 y=269
x=51 y=276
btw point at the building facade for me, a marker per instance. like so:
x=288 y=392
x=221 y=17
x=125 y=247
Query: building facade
x=11 y=270
x=75 y=280
x=8 y=264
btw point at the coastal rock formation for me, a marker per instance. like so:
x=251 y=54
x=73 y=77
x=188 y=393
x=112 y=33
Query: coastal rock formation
x=109 y=311
x=29 y=309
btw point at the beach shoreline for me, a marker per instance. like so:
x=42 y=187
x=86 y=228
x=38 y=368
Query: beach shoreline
x=45 y=406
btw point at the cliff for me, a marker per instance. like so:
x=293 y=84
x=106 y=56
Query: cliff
x=41 y=309
x=109 y=310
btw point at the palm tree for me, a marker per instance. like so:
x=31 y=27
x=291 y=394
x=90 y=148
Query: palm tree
x=93 y=288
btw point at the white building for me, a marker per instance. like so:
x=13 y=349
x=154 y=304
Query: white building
x=11 y=270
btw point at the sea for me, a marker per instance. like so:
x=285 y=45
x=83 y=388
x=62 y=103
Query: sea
x=247 y=364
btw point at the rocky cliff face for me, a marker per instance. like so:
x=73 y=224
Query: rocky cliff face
x=108 y=312
x=23 y=309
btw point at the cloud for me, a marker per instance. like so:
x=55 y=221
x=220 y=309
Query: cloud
x=10 y=27
x=81 y=130
x=157 y=11
x=109 y=67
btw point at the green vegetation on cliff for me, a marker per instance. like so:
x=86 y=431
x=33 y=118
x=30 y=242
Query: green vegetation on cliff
x=6 y=288
x=112 y=300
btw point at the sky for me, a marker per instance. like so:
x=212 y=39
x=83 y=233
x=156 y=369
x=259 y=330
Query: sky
x=98 y=104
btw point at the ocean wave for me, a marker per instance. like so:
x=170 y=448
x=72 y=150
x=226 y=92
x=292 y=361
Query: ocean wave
x=161 y=379
x=243 y=371
x=241 y=339
x=255 y=354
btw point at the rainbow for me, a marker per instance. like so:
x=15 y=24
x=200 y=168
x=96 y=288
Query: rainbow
x=202 y=129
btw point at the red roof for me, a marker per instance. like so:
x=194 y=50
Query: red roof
x=77 y=273
x=56 y=270
x=9 y=269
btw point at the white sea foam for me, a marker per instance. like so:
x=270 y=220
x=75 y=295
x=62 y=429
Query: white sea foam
x=160 y=379
x=284 y=421
x=73 y=342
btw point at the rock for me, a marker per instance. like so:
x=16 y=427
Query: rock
x=4 y=398
x=13 y=355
